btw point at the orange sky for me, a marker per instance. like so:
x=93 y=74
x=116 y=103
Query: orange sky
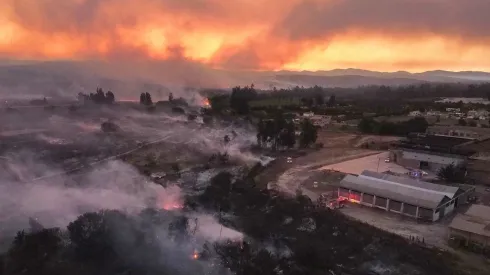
x=386 y=35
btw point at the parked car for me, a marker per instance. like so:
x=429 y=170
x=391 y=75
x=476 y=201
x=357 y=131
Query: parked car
x=289 y=160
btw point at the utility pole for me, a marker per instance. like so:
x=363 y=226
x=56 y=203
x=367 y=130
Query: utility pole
x=377 y=168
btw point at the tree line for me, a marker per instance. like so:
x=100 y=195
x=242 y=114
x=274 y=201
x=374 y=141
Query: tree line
x=280 y=132
x=372 y=126
x=99 y=97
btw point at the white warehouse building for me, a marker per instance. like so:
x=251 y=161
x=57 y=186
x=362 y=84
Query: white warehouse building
x=409 y=197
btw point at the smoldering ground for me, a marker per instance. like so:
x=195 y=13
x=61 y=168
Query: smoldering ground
x=81 y=130
x=114 y=185
x=38 y=186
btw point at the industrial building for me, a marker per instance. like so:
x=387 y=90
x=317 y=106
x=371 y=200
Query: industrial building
x=471 y=229
x=467 y=132
x=417 y=199
x=425 y=160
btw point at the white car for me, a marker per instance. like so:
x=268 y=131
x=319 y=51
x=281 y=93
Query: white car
x=289 y=160
x=387 y=160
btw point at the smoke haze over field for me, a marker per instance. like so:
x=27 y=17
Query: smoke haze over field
x=386 y=35
x=57 y=201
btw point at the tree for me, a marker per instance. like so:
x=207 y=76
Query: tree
x=331 y=100
x=226 y=139
x=98 y=97
x=148 y=99
x=287 y=137
x=309 y=133
x=240 y=98
x=451 y=173
x=462 y=122
x=261 y=133
x=90 y=235
x=33 y=253
x=178 y=228
x=307 y=101
x=319 y=99
x=110 y=98
x=366 y=125
x=219 y=102
x=145 y=99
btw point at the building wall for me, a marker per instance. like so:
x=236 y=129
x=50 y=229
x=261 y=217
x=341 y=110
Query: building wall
x=410 y=209
x=450 y=207
x=469 y=237
x=415 y=164
x=395 y=206
x=436 y=214
x=441 y=160
x=381 y=202
x=368 y=198
x=426 y=214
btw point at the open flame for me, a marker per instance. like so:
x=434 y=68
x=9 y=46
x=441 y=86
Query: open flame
x=170 y=199
x=195 y=255
x=169 y=206
x=206 y=103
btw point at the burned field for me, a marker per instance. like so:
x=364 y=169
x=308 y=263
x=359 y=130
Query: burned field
x=182 y=200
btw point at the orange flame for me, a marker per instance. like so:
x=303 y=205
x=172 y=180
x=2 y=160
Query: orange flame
x=195 y=255
x=172 y=206
x=206 y=103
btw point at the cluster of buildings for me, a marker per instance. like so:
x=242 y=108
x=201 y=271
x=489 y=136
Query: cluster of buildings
x=420 y=198
x=455 y=113
x=317 y=120
x=465 y=132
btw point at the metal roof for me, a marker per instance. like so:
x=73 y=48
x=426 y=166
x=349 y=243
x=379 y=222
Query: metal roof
x=478 y=210
x=449 y=191
x=434 y=153
x=476 y=220
x=394 y=191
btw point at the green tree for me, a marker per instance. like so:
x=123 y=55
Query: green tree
x=462 y=122
x=319 y=99
x=240 y=98
x=309 y=133
x=91 y=237
x=148 y=99
x=451 y=173
x=110 y=98
x=34 y=253
x=287 y=136
x=367 y=125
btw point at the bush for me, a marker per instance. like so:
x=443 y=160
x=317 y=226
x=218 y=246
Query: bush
x=109 y=127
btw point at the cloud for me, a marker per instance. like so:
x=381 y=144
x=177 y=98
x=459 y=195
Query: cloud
x=242 y=34
x=320 y=19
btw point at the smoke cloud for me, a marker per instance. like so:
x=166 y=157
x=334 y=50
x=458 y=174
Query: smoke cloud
x=293 y=34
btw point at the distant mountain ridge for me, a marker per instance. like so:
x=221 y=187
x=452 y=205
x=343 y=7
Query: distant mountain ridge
x=67 y=78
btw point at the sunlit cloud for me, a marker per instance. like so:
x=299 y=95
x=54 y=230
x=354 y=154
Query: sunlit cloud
x=388 y=35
